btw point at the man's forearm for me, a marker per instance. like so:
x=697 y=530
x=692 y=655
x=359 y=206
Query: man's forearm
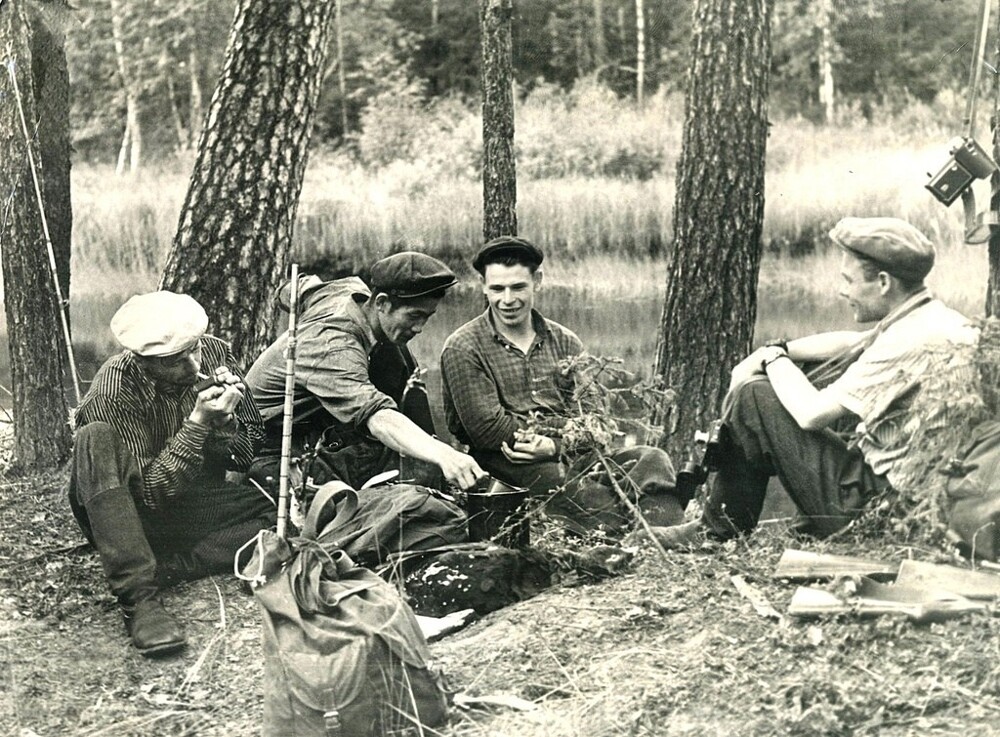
x=823 y=346
x=397 y=431
x=809 y=407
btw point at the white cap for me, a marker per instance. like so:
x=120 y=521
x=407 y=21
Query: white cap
x=159 y=323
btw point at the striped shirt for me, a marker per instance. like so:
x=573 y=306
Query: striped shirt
x=174 y=453
x=491 y=387
x=918 y=352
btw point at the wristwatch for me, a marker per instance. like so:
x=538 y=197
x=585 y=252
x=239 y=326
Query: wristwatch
x=768 y=361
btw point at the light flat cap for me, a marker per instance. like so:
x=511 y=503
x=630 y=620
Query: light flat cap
x=410 y=274
x=159 y=323
x=895 y=245
x=507 y=246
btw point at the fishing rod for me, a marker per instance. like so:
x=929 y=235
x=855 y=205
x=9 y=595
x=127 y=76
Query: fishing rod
x=286 y=420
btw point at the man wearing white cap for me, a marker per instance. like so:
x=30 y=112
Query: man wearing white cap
x=151 y=451
x=777 y=422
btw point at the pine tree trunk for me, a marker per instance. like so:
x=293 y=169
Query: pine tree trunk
x=37 y=353
x=232 y=243
x=499 y=175
x=711 y=298
x=50 y=77
x=993 y=280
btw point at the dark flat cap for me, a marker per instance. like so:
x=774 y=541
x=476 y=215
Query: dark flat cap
x=507 y=246
x=410 y=274
x=895 y=245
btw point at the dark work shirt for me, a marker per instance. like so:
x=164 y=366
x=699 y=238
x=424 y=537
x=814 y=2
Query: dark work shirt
x=333 y=348
x=174 y=453
x=491 y=387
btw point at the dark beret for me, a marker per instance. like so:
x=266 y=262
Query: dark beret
x=894 y=244
x=506 y=246
x=410 y=274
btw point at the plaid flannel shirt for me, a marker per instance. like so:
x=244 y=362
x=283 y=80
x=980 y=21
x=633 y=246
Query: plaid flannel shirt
x=491 y=387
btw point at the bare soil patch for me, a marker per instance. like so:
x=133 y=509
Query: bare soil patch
x=668 y=648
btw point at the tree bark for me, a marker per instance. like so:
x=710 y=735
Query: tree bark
x=993 y=246
x=499 y=175
x=132 y=138
x=713 y=264
x=34 y=333
x=50 y=78
x=235 y=231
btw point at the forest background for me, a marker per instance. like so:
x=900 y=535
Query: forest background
x=863 y=99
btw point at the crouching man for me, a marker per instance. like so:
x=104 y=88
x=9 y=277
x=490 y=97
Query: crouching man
x=151 y=451
x=352 y=367
x=777 y=422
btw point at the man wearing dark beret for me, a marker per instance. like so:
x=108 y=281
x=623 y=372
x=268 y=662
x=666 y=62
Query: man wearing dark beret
x=777 y=422
x=506 y=396
x=352 y=368
x=150 y=455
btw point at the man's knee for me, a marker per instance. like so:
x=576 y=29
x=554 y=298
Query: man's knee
x=100 y=461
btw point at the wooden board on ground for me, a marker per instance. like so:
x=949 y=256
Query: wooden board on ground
x=801 y=565
x=916 y=574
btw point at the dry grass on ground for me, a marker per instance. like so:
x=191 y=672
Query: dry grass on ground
x=669 y=648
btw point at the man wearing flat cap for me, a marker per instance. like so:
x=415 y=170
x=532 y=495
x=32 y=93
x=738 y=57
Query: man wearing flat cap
x=352 y=370
x=507 y=398
x=150 y=456
x=777 y=420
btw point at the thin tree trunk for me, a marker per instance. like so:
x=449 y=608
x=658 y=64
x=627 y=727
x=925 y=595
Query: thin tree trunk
x=341 y=74
x=499 y=175
x=232 y=243
x=34 y=333
x=826 y=90
x=711 y=297
x=132 y=140
x=600 y=45
x=182 y=133
x=197 y=106
x=435 y=13
x=640 y=52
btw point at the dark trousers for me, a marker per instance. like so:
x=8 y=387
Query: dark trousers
x=828 y=480
x=585 y=498
x=209 y=524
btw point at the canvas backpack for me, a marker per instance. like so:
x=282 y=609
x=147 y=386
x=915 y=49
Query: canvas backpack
x=972 y=493
x=343 y=653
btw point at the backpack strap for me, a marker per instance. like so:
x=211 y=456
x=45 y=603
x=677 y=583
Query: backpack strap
x=344 y=502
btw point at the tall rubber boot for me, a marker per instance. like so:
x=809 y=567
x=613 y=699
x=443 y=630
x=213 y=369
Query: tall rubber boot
x=130 y=567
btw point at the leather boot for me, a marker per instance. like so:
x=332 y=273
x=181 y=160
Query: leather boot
x=153 y=631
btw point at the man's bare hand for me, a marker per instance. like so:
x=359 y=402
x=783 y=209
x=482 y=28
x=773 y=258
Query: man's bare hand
x=217 y=403
x=459 y=469
x=529 y=447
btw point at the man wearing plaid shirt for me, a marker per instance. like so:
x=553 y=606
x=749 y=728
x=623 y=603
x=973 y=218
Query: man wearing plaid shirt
x=501 y=374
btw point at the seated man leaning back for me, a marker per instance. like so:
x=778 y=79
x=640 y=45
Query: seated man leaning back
x=150 y=456
x=351 y=367
x=777 y=421
x=501 y=373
